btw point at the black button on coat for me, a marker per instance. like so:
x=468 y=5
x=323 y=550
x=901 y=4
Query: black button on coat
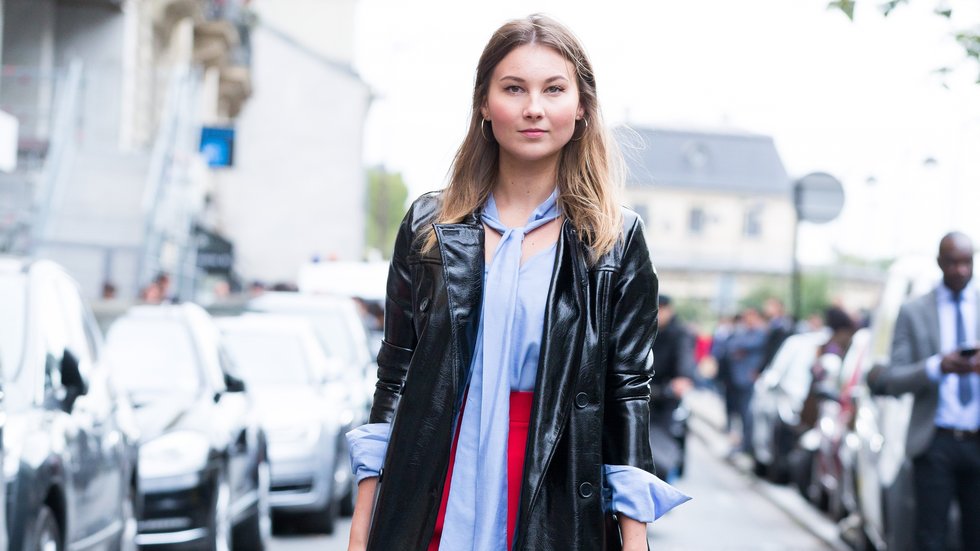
x=600 y=323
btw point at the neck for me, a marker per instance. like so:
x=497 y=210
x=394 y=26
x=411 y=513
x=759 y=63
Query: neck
x=522 y=186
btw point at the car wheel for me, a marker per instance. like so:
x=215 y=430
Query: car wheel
x=127 y=536
x=219 y=526
x=44 y=535
x=348 y=501
x=324 y=520
x=815 y=492
x=342 y=476
x=256 y=532
x=759 y=468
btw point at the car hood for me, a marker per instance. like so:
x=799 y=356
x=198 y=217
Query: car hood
x=287 y=405
x=166 y=412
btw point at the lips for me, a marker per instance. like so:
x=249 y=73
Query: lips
x=534 y=132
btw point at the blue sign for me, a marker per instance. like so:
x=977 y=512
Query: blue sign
x=218 y=145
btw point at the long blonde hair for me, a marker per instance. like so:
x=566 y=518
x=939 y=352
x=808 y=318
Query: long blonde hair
x=589 y=167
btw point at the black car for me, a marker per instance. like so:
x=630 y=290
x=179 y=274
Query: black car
x=70 y=438
x=204 y=471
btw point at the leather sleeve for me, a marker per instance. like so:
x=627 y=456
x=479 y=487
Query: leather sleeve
x=632 y=329
x=399 y=340
x=906 y=371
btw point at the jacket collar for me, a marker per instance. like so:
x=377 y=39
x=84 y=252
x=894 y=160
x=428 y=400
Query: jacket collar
x=461 y=247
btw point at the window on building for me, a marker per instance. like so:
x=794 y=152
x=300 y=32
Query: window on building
x=696 y=221
x=753 y=221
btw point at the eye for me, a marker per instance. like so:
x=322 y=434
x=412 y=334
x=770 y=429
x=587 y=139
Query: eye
x=555 y=89
x=513 y=89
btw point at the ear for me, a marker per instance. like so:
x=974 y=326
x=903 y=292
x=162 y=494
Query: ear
x=580 y=113
x=484 y=112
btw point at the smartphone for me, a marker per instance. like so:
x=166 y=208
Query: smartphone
x=968 y=352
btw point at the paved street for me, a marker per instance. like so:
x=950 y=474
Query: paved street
x=731 y=511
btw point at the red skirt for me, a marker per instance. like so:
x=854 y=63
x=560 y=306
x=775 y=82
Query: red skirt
x=520 y=415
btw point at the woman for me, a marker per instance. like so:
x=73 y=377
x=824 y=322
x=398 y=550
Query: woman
x=513 y=383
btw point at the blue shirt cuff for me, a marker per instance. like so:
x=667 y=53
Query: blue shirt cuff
x=932 y=368
x=367 y=445
x=638 y=494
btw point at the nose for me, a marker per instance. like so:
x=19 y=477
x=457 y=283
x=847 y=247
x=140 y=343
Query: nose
x=533 y=110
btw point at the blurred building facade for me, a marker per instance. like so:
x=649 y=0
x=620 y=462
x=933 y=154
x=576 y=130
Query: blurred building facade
x=111 y=96
x=297 y=190
x=717 y=207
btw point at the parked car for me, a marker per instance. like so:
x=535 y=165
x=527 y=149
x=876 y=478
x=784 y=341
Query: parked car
x=70 y=437
x=203 y=466
x=778 y=401
x=340 y=331
x=832 y=442
x=305 y=407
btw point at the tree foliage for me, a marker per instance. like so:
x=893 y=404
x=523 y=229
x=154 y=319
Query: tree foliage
x=968 y=39
x=815 y=294
x=386 y=195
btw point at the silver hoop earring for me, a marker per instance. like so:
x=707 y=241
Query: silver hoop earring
x=483 y=131
x=586 y=121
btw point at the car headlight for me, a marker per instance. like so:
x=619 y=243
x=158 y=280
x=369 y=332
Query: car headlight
x=294 y=434
x=174 y=454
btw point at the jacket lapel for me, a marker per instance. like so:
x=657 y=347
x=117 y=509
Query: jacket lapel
x=977 y=314
x=560 y=358
x=931 y=315
x=461 y=247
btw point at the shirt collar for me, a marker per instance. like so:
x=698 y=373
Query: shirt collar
x=946 y=295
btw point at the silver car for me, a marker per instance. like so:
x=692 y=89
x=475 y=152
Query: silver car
x=305 y=408
x=339 y=330
x=777 y=402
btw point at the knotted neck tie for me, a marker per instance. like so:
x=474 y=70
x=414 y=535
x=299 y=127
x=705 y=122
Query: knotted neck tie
x=966 y=389
x=476 y=515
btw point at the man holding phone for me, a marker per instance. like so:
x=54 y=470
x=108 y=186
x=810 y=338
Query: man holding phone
x=934 y=356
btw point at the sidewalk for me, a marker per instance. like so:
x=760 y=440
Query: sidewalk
x=707 y=423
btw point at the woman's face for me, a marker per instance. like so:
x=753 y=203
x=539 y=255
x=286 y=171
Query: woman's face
x=532 y=103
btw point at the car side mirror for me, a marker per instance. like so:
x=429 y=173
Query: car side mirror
x=234 y=384
x=72 y=379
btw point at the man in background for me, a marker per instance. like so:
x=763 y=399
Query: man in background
x=674 y=372
x=746 y=350
x=934 y=357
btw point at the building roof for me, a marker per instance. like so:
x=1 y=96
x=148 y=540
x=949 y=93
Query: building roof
x=703 y=160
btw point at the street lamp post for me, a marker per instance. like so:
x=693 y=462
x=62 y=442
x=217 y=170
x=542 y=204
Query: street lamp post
x=818 y=197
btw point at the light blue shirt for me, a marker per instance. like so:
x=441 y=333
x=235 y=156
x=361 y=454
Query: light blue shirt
x=951 y=413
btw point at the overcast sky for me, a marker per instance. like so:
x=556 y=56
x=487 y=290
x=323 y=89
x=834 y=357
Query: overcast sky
x=857 y=99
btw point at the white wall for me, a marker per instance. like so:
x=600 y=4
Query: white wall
x=326 y=26
x=298 y=185
x=94 y=35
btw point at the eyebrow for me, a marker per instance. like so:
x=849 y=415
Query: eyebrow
x=521 y=80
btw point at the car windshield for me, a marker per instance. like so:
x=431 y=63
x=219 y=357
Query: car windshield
x=12 y=304
x=268 y=358
x=153 y=355
x=332 y=331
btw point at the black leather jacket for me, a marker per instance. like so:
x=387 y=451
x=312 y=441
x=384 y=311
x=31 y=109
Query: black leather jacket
x=591 y=403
